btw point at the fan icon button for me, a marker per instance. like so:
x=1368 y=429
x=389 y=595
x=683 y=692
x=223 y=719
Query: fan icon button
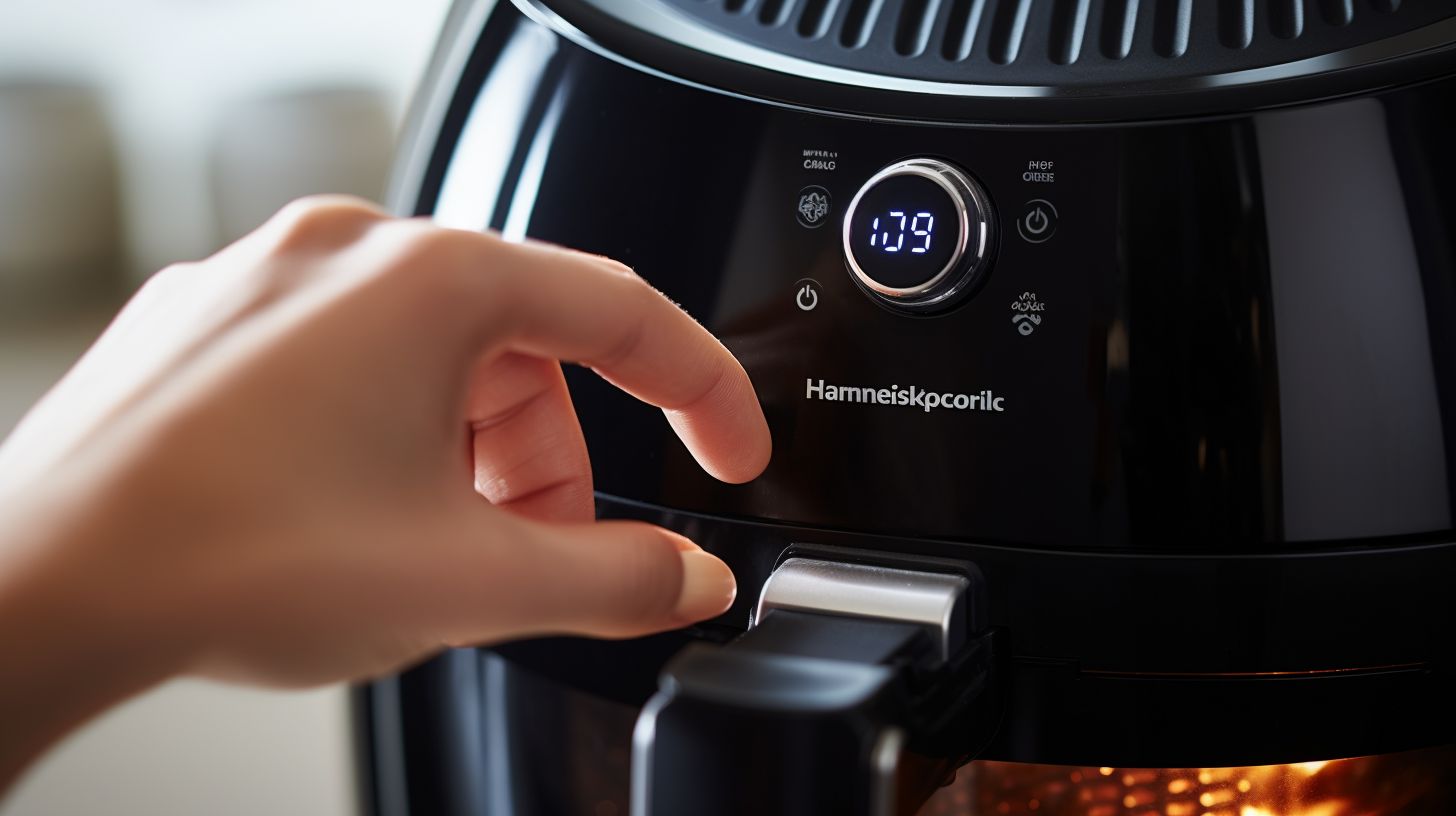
x=812 y=207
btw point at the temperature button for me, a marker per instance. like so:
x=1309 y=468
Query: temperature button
x=918 y=234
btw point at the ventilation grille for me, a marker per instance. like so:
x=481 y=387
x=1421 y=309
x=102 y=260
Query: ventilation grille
x=1061 y=42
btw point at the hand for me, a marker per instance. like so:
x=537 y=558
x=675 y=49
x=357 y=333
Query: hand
x=262 y=470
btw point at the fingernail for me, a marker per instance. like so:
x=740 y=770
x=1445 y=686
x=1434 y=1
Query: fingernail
x=683 y=543
x=708 y=587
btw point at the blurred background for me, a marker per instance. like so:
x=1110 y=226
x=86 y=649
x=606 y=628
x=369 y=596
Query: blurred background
x=136 y=133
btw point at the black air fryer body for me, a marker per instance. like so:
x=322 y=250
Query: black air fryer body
x=1202 y=471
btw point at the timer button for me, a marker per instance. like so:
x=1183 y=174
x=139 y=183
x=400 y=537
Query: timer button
x=919 y=234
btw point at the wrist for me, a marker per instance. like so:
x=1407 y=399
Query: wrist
x=75 y=639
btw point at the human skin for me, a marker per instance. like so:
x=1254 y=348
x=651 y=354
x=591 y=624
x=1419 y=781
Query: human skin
x=334 y=448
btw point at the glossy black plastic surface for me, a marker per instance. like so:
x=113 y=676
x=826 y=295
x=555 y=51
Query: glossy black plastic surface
x=1126 y=659
x=772 y=729
x=1214 y=511
x=1243 y=341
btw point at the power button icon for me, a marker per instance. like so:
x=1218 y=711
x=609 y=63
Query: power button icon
x=806 y=294
x=1038 y=221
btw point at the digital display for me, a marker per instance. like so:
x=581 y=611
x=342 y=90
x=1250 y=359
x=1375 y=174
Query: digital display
x=904 y=231
x=891 y=237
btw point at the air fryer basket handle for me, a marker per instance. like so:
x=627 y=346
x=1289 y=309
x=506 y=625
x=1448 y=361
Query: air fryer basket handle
x=809 y=713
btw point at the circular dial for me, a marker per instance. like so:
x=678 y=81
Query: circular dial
x=918 y=234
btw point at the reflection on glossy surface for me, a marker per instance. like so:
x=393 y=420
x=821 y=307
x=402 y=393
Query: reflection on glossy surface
x=1415 y=783
x=1361 y=421
x=493 y=132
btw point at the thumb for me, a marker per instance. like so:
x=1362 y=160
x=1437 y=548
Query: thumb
x=610 y=579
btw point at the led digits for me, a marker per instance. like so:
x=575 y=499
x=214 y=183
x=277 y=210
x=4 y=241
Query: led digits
x=903 y=231
x=922 y=233
x=882 y=238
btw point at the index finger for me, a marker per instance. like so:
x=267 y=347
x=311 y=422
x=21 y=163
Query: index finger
x=582 y=308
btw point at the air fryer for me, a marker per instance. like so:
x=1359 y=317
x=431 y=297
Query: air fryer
x=1109 y=353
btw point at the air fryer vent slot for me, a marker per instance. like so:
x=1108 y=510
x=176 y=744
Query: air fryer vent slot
x=1236 y=23
x=962 y=28
x=1008 y=30
x=1286 y=18
x=1170 y=27
x=912 y=33
x=774 y=12
x=815 y=18
x=1338 y=12
x=1069 y=29
x=1061 y=42
x=1119 y=23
